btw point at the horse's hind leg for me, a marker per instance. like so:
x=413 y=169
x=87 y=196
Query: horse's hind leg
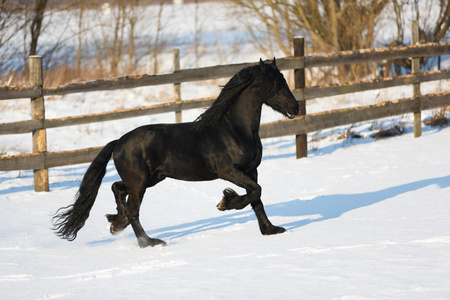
x=119 y=221
x=134 y=204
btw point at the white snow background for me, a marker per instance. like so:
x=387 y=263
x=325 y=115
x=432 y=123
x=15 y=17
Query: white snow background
x=365 y=219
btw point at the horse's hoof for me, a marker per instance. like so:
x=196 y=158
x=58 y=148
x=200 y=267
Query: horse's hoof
x=221 y=205
x=113 y=230
x=273 y=230
x=229 y=200
x=146 y=241
x=117 y=224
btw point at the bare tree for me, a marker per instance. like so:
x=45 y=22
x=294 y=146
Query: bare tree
x=157 y=36
x=81 y=5
x=10 y=25
x=36 y=24
x=132 y=20
x=197 y=34
x=112 y=34
x=431 y=28
x=331 y=25
x=116 y=46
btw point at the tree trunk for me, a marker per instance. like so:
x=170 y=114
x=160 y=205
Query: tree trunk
x=36 y=24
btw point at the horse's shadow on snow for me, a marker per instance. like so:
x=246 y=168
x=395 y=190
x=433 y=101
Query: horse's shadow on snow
x=322 y=208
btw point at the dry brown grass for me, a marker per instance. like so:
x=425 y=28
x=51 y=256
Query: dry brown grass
x=395 y=130
x=350 y=134
x=439 y=119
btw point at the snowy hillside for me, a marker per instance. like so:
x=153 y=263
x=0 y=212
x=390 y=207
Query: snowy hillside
x=365 y=218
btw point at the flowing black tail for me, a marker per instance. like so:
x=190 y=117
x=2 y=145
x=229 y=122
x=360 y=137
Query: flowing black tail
x=70 y=219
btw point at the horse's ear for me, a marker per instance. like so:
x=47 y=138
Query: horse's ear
x=274 y=63
x=261 y=65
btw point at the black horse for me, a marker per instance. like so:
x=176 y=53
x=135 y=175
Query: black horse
x=222 y=143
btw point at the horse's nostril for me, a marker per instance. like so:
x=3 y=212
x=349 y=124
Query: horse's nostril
x=296 y=110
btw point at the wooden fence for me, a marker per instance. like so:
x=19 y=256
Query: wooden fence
x=40 y=160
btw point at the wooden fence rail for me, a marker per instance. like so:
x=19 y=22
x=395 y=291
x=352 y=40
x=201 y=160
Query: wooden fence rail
x=310 y=93
x=300 y=126
x=330 y=119
x=215 y=72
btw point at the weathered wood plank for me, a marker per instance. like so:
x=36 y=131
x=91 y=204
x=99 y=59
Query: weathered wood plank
x=32 y=161
x=315 y=122
x=287 y=63
x=177 y=86
x=371 y=55
x=18 y=92
x=214 y=72
x=39 y=136
x=301 y=141
x=334 y=118
x=416 y=86
x=310 y=93
x=66 y=158
x=31 y=125
x=21 y=127
x=352 y=87
x=128 y=113
x=184 y=75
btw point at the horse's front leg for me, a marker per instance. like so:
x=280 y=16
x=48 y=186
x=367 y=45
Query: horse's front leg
x=265 y=226
x=231 y=200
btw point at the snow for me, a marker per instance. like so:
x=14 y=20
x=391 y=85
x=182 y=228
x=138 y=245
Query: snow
x=365 y=219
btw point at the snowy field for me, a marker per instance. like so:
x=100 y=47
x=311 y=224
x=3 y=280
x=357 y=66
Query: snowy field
x=365 y=218
x=366 y=221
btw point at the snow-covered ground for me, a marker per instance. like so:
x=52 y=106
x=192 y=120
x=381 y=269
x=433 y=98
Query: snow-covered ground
x=365 y=219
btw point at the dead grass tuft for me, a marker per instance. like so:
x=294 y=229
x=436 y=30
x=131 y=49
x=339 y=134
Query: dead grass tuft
x=348 y=136
x=397 y=129
x=439 y=119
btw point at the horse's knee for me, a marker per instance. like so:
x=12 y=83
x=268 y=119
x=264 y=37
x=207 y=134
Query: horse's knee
x=257 y=203
x=119 y=188
x=255 y=194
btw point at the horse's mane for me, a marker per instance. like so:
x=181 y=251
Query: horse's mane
x=227 y=97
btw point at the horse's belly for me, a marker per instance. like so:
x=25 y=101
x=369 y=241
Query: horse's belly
x=192 y=168
x=191 y=174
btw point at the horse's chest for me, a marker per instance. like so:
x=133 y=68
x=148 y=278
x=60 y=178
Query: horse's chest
x=251 y=155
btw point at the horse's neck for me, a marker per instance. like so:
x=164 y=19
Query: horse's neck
x=246 y=112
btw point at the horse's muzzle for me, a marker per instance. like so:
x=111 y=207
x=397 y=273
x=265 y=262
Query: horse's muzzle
x=294 y=112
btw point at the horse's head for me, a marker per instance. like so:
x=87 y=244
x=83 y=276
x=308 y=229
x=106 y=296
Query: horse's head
x=275 y=92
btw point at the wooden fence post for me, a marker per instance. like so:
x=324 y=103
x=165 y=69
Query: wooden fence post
x=38 y=113
x=177 y=86
x=415 y=68
x=299 y=79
